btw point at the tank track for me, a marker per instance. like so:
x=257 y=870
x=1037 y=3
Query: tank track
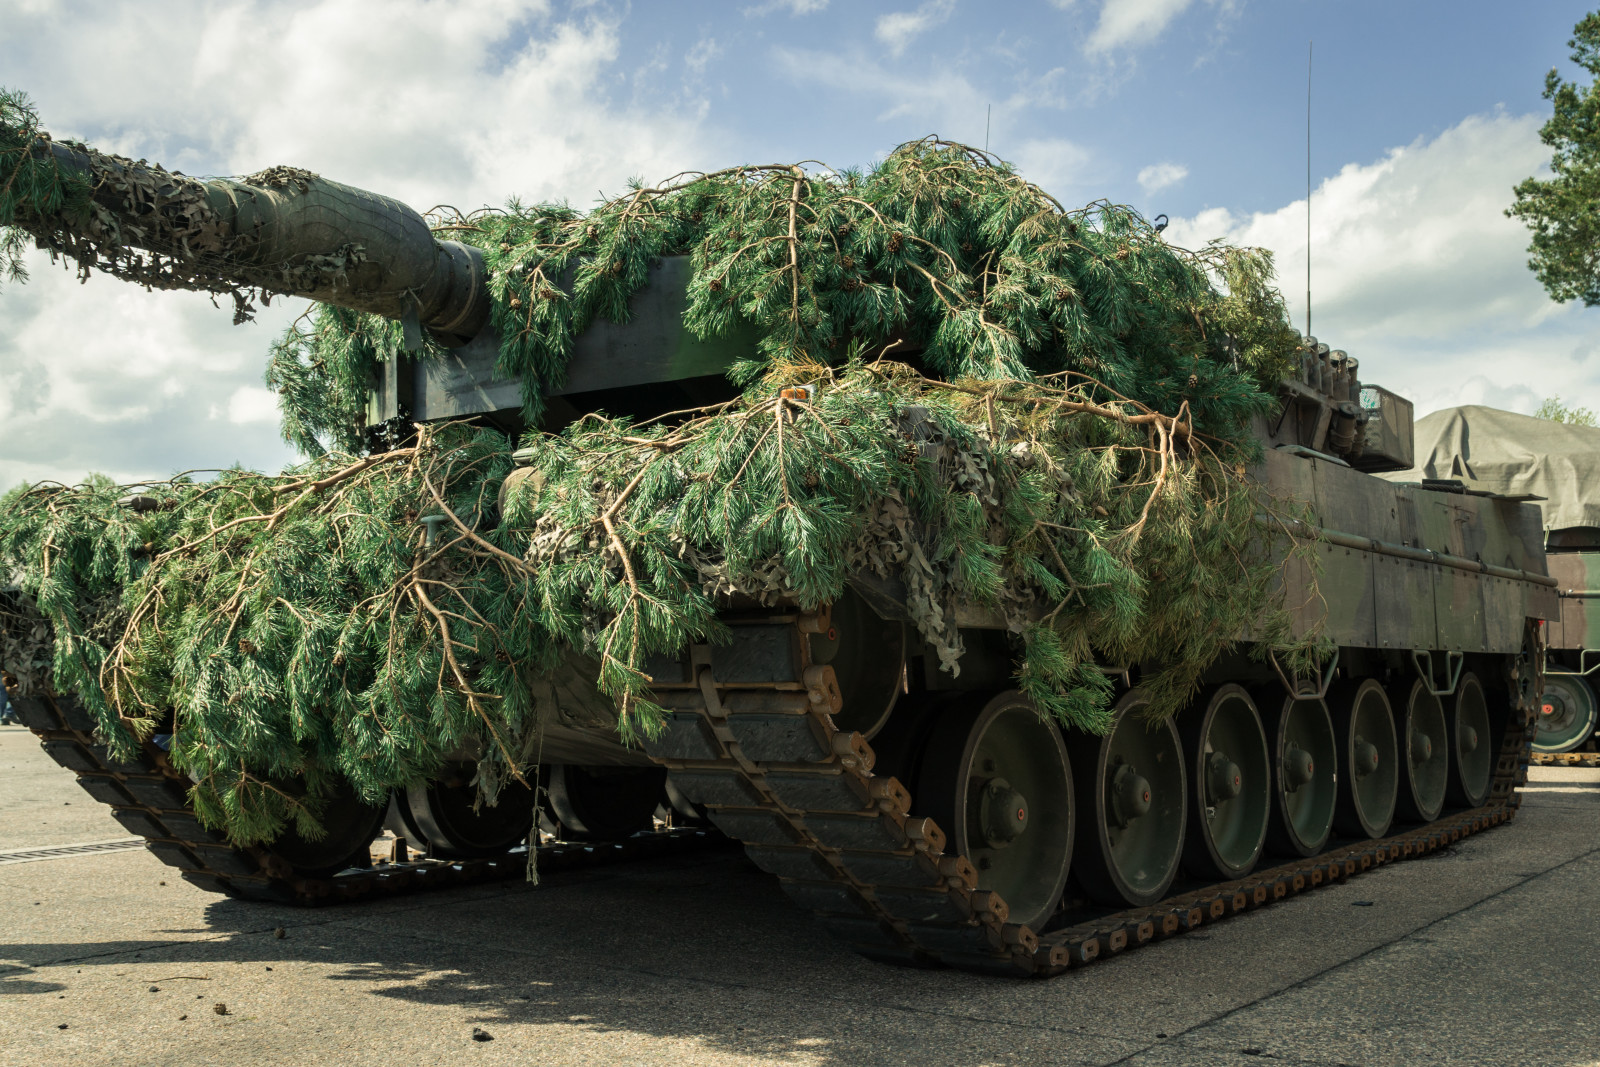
x=757 y=748
x=149 y=798
x=1565 y=759
x=760 y=752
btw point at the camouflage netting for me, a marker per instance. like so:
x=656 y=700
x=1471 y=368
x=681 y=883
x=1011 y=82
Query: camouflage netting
x=1068 y=454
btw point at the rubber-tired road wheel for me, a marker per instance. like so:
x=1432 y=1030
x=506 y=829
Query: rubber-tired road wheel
x=1230 y=785
x=1471 y=746
x=1370 y=756
x=1132 y=802
x=447 y=816
x=1305 y=773
x=604 y=803
x=995 y=777
x=349 y=823
x=1567 y=713
x=1423 y=736
x=868 y=656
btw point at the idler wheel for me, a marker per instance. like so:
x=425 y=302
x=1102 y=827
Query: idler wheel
x=350 y=824
x=1304 y=780
x=868 y=656
x=1567 y=714
x=1370 y=782
x=995 y=777
x=1471 y=744
x=1131 y=795
x=603 y=803
x=1230 y=785
x=1426 y=774
x=445 y=815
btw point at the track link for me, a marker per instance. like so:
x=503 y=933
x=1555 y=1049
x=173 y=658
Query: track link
x=150 y=799
x=1565 y=759
x=750 y=738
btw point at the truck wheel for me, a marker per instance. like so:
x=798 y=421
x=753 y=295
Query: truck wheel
x=1566 y=714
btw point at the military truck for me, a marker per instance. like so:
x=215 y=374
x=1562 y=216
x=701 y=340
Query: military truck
x=926 y=816
x=1475 y=449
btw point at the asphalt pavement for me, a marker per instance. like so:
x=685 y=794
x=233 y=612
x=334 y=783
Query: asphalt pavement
x=1483 y=953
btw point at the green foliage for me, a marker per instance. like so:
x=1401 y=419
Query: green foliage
x=940 y=249
x=301 y=626
x=1564 y=211
x=30 y=184
x=321 y=371
x=1553 y=409
x=1033 y=411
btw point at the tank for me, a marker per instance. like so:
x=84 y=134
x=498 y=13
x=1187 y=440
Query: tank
x=905 y=791
x=1474 y=449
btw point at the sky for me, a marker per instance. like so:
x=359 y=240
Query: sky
x=1423 y=115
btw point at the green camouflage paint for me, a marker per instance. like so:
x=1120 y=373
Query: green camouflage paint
x=1369 y=594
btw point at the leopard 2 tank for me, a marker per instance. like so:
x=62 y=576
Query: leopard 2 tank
x=925 y=815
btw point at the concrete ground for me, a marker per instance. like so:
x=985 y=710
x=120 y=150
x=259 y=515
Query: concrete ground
x=1486 y=953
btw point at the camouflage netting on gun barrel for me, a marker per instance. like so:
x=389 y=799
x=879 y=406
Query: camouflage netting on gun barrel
x=1070 y=456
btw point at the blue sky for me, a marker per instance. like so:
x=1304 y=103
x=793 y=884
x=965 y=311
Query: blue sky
x=1424 y=116
x=1218 y=87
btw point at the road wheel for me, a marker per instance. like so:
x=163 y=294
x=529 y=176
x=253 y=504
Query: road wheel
x=995 y=777
x=1472 y=765
x=1364 y=725
x=1132 y=799
x=603 y=803
x=1230 y=785
x=445 y=815
x=1566 y=714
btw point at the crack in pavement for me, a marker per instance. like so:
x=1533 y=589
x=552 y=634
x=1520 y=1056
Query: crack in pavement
x=1360 y=956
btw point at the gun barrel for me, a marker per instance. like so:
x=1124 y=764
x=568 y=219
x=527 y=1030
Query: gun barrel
x=283 y=230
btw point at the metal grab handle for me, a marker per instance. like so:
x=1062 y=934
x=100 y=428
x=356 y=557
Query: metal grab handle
x=1453 y=662
x=1324 y=678
x=1585 y=668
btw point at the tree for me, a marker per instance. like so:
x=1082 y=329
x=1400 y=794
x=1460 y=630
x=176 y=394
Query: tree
x=1554 y=410
x=1564 y=211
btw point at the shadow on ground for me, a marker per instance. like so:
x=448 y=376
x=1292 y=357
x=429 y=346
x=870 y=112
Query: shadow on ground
x=704 y=948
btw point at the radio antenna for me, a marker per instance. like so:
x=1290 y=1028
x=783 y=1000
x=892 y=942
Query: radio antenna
x=1308 y=187
x=987 y=115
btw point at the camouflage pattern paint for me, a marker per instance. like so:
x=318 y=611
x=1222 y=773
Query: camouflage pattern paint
x=1577 y=627
x=1383 y=581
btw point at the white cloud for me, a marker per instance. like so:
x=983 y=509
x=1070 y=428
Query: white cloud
x=926 y=100
x=703 y=52
x=1056 y=165
x=464 y=102
x=898 y=28
x=793 y=7
x=1417 y=272
x=1161 y=175
x=1132 y=22
x=251 y=404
